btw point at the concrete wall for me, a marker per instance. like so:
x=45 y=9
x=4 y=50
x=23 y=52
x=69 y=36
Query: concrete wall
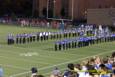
x=101 y=16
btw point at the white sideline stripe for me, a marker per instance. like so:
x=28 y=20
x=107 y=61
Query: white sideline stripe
x=15 y=75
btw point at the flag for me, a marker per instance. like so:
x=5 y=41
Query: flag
x=100 y=27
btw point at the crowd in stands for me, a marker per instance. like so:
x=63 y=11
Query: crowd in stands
x=32 y=22
x=91 y=67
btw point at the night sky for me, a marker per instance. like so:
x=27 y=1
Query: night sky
x=19 y=8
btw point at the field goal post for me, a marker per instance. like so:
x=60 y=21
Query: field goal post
x=72 y=11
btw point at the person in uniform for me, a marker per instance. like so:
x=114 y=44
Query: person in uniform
x=38 y=36
x=51 y=35
x=66 y=44
x=54 y=35
x=47 y=34
x=34 y=37
x=41 y=36
x=73 y=33
x=72 y=43
x=28 y=38
x=9 y=39
x=31 y=37
x=63 y=45
x=20 y=38
x=66 y=34
x=114 y=37
x=12 y=39
x=75 y=43
x=44 y=35
x=69 y=33
x=60 y=46
x=56 y=46
x=23 y=38
x=17 y=38
x=69 y=44
x=79 y=43
x=60 y=34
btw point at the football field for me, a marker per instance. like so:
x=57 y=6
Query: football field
x=17 y=60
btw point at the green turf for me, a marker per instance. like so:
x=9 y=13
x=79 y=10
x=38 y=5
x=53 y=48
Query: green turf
x=46 y=59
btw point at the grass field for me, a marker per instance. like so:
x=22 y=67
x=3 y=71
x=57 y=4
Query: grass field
x=16 y=64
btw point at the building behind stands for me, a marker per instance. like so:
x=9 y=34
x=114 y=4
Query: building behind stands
x=63 y=8
x=104 y=16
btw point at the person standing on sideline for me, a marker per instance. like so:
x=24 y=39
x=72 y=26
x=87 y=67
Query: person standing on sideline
x=1 y=72
x=56 y=72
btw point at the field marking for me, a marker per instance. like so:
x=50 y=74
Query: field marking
x=24 y=60
x=48 y=56
x=53 y=52
x=15 y=75
x=44 y=50
x=45 y=55
x=12 y=66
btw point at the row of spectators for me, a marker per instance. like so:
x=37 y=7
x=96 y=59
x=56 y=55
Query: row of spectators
x=91 y=67
x=29 y=22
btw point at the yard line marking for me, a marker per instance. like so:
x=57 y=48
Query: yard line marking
x=45 y=56
x=45 y=50
x=12 y=66
x=15 y=75
x=25 y=60
x=97 y=47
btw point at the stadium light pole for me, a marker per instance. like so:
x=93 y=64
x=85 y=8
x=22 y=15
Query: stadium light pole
x=47 y=8
x=54 y=1
x=72 y=9
x=33 y=7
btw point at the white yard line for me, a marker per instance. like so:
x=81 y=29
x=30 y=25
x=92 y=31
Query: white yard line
x=98 y=47
x=25 y=60
x=15 y=75
x=42 y=55
x=61 y=52
x=46 y=56
x=12 y=66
